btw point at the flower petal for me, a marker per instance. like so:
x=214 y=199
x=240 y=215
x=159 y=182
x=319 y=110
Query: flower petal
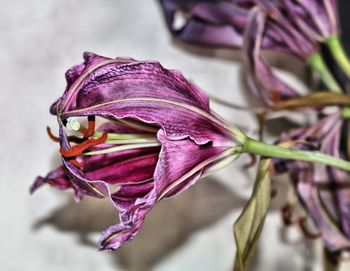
x=57 y=178
x=176 y=160
x=144 y=91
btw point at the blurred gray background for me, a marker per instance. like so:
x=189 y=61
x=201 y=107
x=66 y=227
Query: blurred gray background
x=39 y=41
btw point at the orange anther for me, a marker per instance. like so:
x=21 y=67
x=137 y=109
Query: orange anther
x=51 y=135
x=76 y=163
x=307 y=233
x=287 y=213
x=91 y=127
x=79 y=148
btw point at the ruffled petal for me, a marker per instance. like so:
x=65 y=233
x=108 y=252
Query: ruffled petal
x=181 y=163
x=144 y=91
x=57 y=178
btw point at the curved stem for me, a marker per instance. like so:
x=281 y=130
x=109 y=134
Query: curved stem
x=318 y=64
x=338 y=52
x=260 y=148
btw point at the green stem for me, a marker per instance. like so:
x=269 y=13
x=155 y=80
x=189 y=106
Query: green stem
x=256 y=147
x=318 y=64
x=337 y=50
x=346 y=113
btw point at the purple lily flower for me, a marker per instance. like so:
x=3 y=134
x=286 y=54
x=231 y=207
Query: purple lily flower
x=157 y=136
x=323 y=191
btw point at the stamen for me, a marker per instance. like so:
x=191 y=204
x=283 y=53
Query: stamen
x=124 y=148
x=307 y=233
x=252 y=161
x=76 y=163
x=78 y=149
x=51 y=135
x=91 y=127
x=287 y=213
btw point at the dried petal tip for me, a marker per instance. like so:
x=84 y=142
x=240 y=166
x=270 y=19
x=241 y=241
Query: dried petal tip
x=39 y=181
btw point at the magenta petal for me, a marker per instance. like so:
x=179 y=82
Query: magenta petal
x=133 y=168
x=131 y=221
x=57 y=178
x=176 y=159
x=125 y=198
x=116 y=235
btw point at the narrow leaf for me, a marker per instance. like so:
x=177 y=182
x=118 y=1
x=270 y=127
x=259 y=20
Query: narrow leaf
x=313 y=100
x=248 y=226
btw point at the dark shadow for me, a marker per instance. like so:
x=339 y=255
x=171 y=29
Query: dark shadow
x=166 y=228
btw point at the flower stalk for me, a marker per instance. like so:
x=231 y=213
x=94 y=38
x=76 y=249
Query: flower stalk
x=317 y=63
x=256 y=147
x=338 y=52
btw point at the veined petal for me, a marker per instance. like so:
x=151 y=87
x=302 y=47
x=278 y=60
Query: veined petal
x=125 y=198
x=176 y=159
x=143 y=91
x=57 y=178
x=112 y=80
x=132 y=167
x=75 y=75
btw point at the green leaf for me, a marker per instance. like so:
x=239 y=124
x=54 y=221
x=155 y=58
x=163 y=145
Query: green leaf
x=248 y=226
x=313 y=100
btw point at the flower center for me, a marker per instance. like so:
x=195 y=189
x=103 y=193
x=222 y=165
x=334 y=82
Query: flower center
x=91 y=138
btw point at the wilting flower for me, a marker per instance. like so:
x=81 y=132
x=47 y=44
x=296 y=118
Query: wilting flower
x=294 y=27
x=323 y=191
x=292 y=22
x=156 y=138
x=260 y=77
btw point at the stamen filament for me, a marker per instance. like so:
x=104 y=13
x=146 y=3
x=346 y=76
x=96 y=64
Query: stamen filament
x=124 y=136
x=124 y=148
x=51 y=135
